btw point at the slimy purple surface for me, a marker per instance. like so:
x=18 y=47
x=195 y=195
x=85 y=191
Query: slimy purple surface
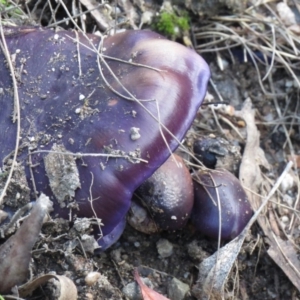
x=234 y=208
x=65 y=101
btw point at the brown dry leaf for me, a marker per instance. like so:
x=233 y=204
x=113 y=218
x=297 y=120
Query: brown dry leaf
x=15 y=253
x=214 y=270
x=282 y=252
x=68 y=290
x=148 y=294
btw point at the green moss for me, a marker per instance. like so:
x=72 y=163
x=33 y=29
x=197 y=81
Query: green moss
x=183 y=23
x=4 y=2
x=171 y=25
x=11 y=10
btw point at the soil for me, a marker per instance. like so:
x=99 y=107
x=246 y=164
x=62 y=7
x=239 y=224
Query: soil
x=255 y=275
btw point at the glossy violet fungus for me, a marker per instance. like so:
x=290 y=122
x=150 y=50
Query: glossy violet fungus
x=167 y=195
x=97 y=114
x=235 y=207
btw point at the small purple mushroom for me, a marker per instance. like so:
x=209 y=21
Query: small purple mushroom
x=167 y=195
x=104 y=142
x=235 y=207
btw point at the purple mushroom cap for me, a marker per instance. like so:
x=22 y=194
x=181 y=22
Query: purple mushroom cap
x=67 y=106
x=235 y=207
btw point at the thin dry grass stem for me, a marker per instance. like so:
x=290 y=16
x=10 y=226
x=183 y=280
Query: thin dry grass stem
x=162 y=134
x=13 y=297
x=261 y=244
x=233 y=127
x=259 y=21
x=31 y=175
x=131 y=63
x=259 y=3
x=287 y=235
x=235 y=36
x=273 y=54
x=130 y=97
x=34 y=9
x=80 y=155
x=278 y=110
x=204 y=185
x=218 y=204
x=118 y=272
x=82 y=17
x=270 y=195
x=294 y=118
x=257 y=242
x=82 y=248
x=55 y=24
x=198 y=165
x=236 y=280
x=279 y=43
x=53 y=11
x=16 y=112
x=296 y=211
x=46 y=4
x=216 y=119
x=119 y=60
x=216 y=90
x=91 y=200
x=286 y=258
x=71 y=18
x=78 y=54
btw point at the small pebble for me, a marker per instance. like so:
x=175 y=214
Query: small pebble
x=89 y=296
x=177 y=289
x=3 y=215
x=134 y=133
x=132 y=290
x=89 y=243
x=164 y=248
x=91 y=278
x=287 y=183
x=285 y=219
